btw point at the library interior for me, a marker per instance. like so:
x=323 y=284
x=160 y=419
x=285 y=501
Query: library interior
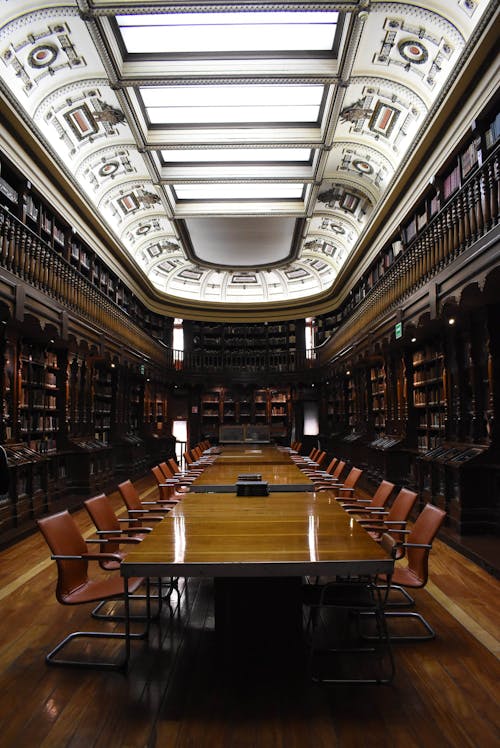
x=250 y=322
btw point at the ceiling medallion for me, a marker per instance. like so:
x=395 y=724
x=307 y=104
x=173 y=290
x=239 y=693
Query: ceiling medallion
x=413 y=51
x=43 y=56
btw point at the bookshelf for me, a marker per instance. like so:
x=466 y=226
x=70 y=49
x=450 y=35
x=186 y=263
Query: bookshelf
x=378 y=399
x=429 y=397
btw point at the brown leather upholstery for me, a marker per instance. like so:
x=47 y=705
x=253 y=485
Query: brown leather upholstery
x=395 y=519
x=414 y=574
x=177 y=471
x=75 y=587
x=133 y=502
x=168 y=474
x=322 y=483
x=416 y=571
x=104 y=518
x=311 y=469
x=73 y=583
x=346 y=488
x=167 y=490
x=378 y=500
x=331 y=465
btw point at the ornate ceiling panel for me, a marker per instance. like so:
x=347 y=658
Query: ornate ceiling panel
x=158 y=118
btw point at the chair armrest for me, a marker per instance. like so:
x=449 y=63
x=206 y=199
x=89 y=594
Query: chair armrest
x=127 y=530
x=88 y=557
x=160 y=503
x=150 y=517
x=354 y=503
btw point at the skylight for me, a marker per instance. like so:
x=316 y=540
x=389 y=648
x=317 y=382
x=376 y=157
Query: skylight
x=235 y=104
x=234 y=191
x=184 y=33
x=237 y=155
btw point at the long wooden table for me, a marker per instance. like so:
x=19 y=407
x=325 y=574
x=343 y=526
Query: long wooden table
x=283 y=534
x=275 y=467
x=257 y=549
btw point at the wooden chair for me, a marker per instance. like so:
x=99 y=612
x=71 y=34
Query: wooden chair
x=75 y=587
x=313 y=467
x=354 y=505
x=166 y=487
x=325 y=482
x=337 y=655
x=138 y=509
x=349 y=485
x=415 y=573
x=393 y=521
x=111 y=534
x=168 y=475
x=187 y=475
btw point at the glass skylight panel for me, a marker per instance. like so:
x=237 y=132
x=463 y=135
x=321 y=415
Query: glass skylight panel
x=184 y=33
x=233 y=191
x=237 y=155
x=236 y=104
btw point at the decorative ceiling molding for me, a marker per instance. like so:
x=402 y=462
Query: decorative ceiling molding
x=64 y=72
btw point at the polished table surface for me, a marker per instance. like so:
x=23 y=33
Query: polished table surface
x=275 y=467
x=252 y=455
x=280 y=535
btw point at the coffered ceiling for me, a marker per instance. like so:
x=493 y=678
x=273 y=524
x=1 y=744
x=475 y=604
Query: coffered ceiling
x=235 y=151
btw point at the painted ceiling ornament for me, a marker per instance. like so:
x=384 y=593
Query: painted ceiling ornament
x=43 y=55
x=355 y=112
x=330 y=197
x=148 y=199
x=109 y=114
x=413 y=51
x=313 y=244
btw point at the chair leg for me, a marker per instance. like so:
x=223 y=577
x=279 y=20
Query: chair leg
x=92 y=664
x=381 y=653
x=127 y=636
x=96 y=613
x=407 y=600
x=431 y=634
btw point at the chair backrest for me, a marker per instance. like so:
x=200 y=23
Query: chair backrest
x=187 y=457
x=166 y=470
x=129 y=494
x=424 y=530
x=175 y=467
x=321 y=457
x=340 y=466
x=65 y=539
x=104 y=518
x=352 y=478
x=400 y=511
x=158 y=474
x=312 y=454
x=102 y=513
x=381 y=495
x=331 y=465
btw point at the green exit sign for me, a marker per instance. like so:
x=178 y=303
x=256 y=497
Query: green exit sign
x=398 y=330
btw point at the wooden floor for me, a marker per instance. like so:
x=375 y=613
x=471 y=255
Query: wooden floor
x=178 y=693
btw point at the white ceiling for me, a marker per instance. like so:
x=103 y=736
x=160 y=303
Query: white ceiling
x=220 y=169
x=241 y=242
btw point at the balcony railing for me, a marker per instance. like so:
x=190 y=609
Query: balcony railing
x=467 y=216
x=27 y=256
x=242 y=362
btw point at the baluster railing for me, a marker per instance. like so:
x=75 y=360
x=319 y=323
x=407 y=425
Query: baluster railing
x=467 y=216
